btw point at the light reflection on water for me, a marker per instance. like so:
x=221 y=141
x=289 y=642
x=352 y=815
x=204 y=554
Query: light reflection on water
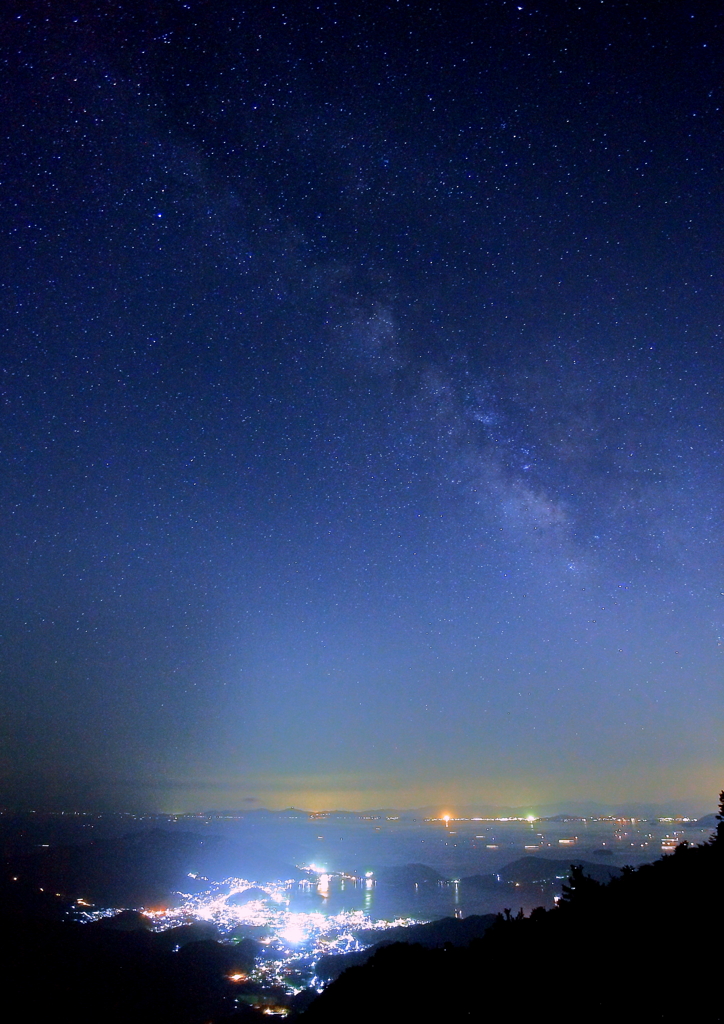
x=275 y=846
x=471 y=848
x=347 y=889
x=382 y=900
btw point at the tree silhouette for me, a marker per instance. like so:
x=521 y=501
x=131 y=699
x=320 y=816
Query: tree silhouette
x=580 y=888
x=654 y=928
x=718 y=837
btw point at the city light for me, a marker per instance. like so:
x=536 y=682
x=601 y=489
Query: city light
x=293 y=942
x=294 y=933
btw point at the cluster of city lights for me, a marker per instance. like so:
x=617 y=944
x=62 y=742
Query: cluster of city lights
x=447 y=818
x=291 y=942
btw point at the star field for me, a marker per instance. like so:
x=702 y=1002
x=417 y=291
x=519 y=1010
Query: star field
x=361 y=404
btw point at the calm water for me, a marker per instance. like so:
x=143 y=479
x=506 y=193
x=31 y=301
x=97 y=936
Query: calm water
x=457 y=849
x=387 y=901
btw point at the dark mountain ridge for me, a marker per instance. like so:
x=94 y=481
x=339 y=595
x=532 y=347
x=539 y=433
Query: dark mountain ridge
x=649 y=939
x=433 y=935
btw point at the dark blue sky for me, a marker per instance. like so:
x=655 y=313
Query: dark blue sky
x=361 y=404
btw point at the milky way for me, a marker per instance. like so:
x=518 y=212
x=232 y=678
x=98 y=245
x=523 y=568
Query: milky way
x=362 y=405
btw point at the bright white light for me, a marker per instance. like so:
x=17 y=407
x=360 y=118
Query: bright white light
x=293 y=933
x=291 y=939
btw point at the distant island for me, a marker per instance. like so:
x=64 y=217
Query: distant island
x=647 y=938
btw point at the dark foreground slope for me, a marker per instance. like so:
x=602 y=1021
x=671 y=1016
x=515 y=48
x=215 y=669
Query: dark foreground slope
x=448 y=931
x=647 y=946
x=57 y=970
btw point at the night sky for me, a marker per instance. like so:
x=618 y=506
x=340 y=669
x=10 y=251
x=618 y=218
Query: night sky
x=362 y=406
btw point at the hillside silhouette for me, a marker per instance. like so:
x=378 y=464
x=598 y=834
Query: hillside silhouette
x=432 y=935
x=644 y=946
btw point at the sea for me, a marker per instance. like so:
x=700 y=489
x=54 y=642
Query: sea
x=350 y=862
